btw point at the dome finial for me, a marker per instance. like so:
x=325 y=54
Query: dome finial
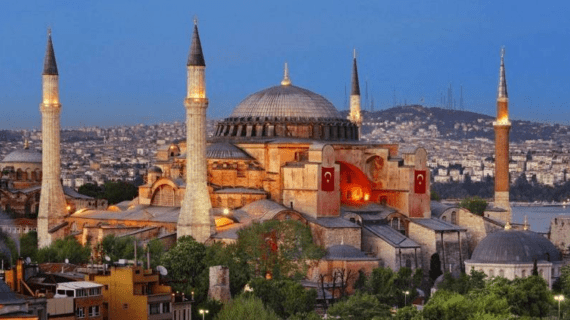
x=286 y=81
x=526 y=226
x=508 y=226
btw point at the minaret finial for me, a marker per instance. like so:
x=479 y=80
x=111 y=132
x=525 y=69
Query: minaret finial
x=355 y=85
x=195 y=20
x=286 y=81
x=49 y=31
x=354 y=53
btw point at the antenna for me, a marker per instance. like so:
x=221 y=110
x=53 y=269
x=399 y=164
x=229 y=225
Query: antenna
x=461 y=107
x=162 y=270
x=107 y=258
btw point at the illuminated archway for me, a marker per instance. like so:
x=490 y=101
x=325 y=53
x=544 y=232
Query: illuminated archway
x=355 y=188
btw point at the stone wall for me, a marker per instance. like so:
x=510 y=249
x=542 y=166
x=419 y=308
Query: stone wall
x=560 y=234
x=327 y=237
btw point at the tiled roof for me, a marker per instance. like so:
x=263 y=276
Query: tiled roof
x=437 y=225
x=393 y=237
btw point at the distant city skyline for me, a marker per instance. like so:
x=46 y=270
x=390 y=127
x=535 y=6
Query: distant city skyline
x=123 y=63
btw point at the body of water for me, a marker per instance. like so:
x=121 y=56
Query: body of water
x=539 y=217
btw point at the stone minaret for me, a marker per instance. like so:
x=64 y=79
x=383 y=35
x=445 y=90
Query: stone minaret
x=355 y=116
x=52 y=201
x=195 y=218
x=502 y=128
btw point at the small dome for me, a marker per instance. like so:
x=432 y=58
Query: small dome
x=24 y=155
x=514 y=246
x=285 y=101
x=224 y=150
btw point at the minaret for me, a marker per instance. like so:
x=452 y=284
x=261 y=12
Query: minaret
x=502 y=128
x=52 y=201
x=355 y=116
x=195 y=218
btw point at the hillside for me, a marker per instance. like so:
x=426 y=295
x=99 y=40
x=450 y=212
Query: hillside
x=455 y=124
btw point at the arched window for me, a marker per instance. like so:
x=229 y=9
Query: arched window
x=454 y=217
x=491 y=273
x=501 y=273
x=408 y=263
x=165 y=196
x=444 y=218
x=524 y=273
x=541 y=272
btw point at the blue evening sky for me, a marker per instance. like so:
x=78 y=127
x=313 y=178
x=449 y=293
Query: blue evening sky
x=124 y=61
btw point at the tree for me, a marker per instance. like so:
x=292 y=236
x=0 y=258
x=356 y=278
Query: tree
x=246 y=307
x=445 y=305
x=8 y=249
x=29 y=245
x=156 y=250
x=434 y=196
x=118 y=191
x=120 y=248
x=434 y=267
x=278 y=248
x=91 y=190
x=62 y=249
x=228 y=256
x=475 y=205
x=185 y=263
x=285 y=297
x=360 y=306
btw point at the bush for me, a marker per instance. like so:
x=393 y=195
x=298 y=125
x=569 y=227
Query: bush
x=246 y=307
x=475 y=205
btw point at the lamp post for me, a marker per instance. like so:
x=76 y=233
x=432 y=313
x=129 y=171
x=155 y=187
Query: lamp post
x=559 y=298
x=203 y=312
x=406 y=293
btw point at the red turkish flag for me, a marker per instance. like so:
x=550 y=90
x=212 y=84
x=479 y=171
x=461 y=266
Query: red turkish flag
x=420 y=181
x=327 y=179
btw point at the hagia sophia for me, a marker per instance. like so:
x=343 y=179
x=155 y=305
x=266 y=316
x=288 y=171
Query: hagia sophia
x=285 y=153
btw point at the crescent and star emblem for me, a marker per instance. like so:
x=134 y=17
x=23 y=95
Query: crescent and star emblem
x=420 y=177
x=328 y=176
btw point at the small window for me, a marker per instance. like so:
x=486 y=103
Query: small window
x=491 y=273
x=93 y=311
x=154 y=308
x=501 y=273
x=70 y=293
x=138 y=272
x=166 y=307
x=62 y=292
x=125 y=306
x=524 y=273
x=80 y=312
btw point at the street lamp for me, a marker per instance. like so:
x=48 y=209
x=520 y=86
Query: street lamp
x=559 y=298
x=406 y=293
x=203 y=312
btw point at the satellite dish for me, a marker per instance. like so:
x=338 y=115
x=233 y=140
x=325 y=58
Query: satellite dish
x=66 y=260
x=107 y=258
x=28 y=260
x=162 y=270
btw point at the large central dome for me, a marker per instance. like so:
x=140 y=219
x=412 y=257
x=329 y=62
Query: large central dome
x=286 y=111
x=286 y=101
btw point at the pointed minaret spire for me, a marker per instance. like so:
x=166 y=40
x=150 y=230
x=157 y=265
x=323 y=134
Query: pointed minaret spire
x=355 y=85
x=286 y=81
x=196 y=57
x=50 y=67
x=502 y=90
x=355 y=113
